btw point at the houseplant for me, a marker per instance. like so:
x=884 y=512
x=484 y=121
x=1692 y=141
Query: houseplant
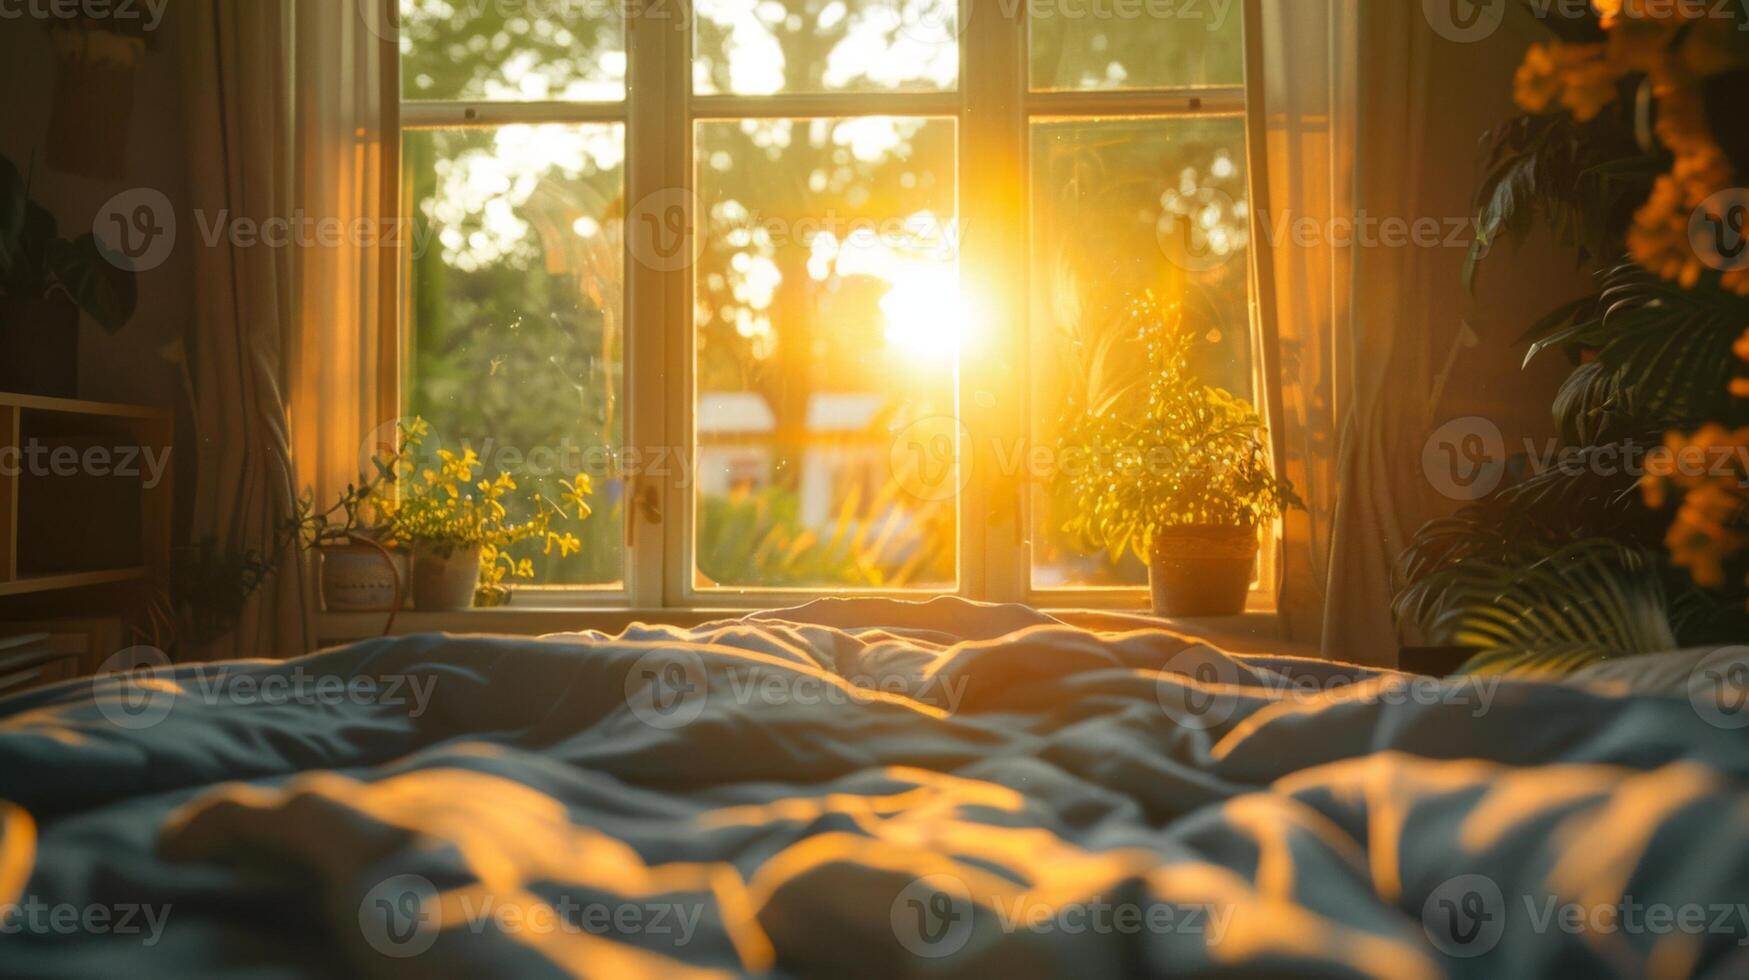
x=1168 y=468
x=45 y=280
x=356 y=572
x=457 y=524
x=1629 y=142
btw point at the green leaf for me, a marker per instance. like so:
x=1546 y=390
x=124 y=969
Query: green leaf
x=29 y=277
x=13 y=201
x=1506 y=199
x=1554 y=318
x=99 y=287
x=1551 y=610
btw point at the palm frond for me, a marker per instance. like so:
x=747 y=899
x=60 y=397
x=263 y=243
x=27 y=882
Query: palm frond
x=1591 y=600
x=1583 y=180
x=1663 y=357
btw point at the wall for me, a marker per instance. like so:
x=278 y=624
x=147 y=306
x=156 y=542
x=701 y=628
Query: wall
x=1516 y=284
x=129 y=366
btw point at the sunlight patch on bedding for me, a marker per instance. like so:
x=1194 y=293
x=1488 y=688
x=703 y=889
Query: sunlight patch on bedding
x=1514 y=797
x=1603 y=846
x=509 y=835
x=17 y=851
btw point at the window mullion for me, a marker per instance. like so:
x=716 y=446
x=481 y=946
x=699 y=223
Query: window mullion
x=653 y=144
x=422 y=114
x=1199 y=101
x=816 y=104
x=993 y=393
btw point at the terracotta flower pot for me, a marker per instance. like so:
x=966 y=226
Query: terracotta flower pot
x=445 y=581
x=39 y=347
x=359 y=578
x=1202 y=570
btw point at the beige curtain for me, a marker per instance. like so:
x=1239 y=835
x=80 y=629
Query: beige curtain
x=1308 y=153
x=238 y=109
x=1371 y=114
x=335 y=398
x=284 y=125
x=1359 y=328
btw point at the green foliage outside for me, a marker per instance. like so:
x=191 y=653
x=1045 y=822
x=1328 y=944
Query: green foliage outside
x=516 y=326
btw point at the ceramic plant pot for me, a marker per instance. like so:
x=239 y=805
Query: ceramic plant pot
x=445 y=581
x=1202 y=570
x=361 y=578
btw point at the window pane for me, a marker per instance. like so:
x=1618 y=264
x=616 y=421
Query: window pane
x=1112 y=44
x=1121 y=207
x=516 y=335
x=744 y=47
x=557 y=50
x=828 y=325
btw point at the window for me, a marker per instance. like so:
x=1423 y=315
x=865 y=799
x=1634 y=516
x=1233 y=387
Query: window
x=801 y=282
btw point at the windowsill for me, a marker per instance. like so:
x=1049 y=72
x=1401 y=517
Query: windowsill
x=1253 y=631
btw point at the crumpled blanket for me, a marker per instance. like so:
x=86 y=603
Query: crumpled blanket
x=863 y=787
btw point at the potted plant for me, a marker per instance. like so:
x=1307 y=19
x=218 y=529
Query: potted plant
x=355 y=570
x=1165 y=467
x=458 y=527
x=45 y=280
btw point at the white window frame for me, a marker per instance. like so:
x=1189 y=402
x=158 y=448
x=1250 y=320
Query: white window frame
x=993 y=106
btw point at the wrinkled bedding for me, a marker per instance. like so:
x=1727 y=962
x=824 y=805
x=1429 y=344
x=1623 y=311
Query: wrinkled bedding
x=863 y=788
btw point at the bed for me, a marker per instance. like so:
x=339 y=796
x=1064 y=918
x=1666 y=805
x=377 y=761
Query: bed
x=866 y=788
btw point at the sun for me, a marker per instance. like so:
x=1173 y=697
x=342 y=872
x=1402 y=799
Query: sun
x=928 y=316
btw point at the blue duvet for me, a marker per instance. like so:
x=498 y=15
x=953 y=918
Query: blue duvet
x=866 y=788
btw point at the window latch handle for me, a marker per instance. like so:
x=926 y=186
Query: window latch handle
x=646 y=505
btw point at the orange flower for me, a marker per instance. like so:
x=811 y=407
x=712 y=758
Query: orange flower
x=1708 y=527
x=1581 y=76
x=1677 y=46
x=1658 y=238
x=1535 y=85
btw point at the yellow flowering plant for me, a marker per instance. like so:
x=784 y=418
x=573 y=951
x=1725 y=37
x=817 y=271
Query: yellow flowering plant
x=450 y=504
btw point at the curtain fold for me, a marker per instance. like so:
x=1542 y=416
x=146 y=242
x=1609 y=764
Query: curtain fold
x=1307 y=92
x=1389 y=344
x=283 y=103
x=342 y=153
x=237 y=91
x=1346 y=101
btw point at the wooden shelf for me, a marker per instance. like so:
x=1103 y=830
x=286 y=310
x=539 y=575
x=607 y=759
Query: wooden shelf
x=55 y=526
x=74 y=406
x=26 y=584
